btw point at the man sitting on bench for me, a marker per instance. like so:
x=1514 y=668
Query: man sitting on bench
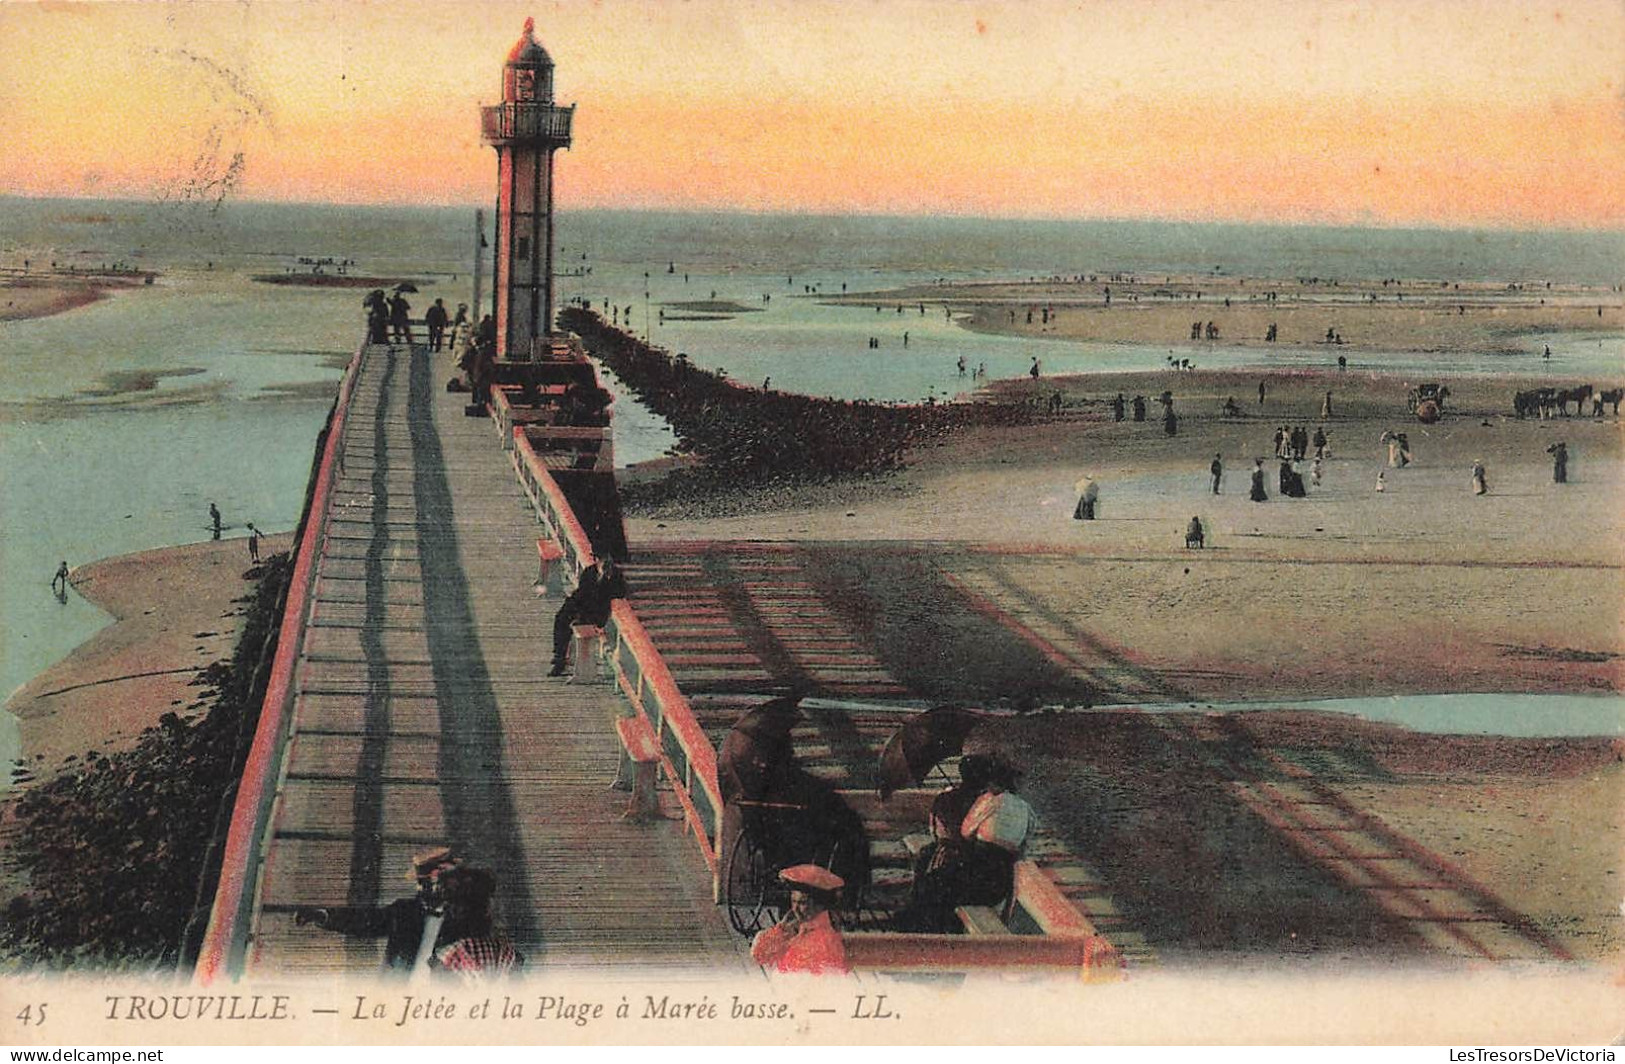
x=600 y=584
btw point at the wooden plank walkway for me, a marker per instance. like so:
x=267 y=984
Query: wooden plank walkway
x=423 y=715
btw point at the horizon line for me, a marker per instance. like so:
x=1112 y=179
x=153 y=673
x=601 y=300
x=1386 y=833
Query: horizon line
x=791 y=212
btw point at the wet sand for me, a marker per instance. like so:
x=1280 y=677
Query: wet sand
x=174 y=611
x=24 y=299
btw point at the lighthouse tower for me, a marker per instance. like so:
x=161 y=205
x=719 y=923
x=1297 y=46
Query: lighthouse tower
x=526 y=128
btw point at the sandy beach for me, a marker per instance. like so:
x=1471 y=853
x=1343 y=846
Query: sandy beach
x=174 y=612
x=1423 y=588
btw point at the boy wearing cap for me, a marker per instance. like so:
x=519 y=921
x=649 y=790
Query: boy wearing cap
x=412 y=928
x=806 y=940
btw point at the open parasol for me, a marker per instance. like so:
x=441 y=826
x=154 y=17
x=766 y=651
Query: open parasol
x=406 y=286
x=757 y=750
x=922 y=742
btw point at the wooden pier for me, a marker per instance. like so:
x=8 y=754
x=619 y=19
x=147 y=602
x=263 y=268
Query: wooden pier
x=421 y=714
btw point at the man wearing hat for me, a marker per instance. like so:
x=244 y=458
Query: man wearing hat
x=412 y=928
x=806 y=940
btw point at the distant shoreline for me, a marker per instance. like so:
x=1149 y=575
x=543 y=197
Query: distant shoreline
x=334 y=280
x=1230 y=312
x=28 y=298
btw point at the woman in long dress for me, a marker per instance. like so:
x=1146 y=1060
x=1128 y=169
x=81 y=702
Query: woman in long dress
x=1479 y=486
x=1258 y=494
x=1088 y=494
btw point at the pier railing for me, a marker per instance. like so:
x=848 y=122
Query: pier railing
x=552 y=508
x=225 y=941
x=502 y=414
x=686 y=754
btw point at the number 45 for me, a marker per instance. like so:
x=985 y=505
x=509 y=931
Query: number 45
x=32 y=1014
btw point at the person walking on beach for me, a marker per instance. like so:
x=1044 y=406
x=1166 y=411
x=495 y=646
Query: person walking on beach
x=1139 y=408
x=1258 y=494
x=1479 y=486
x=59 y=582
x=435 y=319
x=1320 y=443
x=1560 y=462
x=1326 y=407
x=1033 y=372
x=1382 y=484
x=1117 y=407
x=1217 y=469
x=1392 y=440
x=1088 y=496
x=1261 y=391
x=1314 y=471
x=253 y=543
x=214 y=519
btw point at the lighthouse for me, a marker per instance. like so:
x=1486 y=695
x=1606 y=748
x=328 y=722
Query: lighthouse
x=526 y=128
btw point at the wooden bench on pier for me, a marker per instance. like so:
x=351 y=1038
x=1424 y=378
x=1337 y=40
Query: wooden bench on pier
x=586 y=653
x=640 y=763
x=547 y=552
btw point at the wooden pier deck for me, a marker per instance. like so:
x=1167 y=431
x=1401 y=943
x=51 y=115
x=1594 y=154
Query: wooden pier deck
x=423 y=715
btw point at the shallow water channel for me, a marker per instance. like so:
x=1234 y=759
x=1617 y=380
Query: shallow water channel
x=1522 y=716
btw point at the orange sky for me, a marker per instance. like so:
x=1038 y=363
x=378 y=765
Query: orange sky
x=1466 y=112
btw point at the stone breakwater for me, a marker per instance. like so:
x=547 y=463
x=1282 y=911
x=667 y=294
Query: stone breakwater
x=750 y=435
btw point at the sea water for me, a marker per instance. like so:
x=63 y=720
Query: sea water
x=120 y=422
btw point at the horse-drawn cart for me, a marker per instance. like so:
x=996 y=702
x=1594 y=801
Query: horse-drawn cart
x=1427 y=401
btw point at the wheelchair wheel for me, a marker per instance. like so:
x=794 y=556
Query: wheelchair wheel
x=851 y=907
x=747 y=886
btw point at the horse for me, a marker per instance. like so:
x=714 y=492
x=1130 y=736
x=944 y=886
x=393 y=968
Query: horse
x=1577 y=396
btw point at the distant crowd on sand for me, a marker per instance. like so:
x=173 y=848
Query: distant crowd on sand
x=1292 y=447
